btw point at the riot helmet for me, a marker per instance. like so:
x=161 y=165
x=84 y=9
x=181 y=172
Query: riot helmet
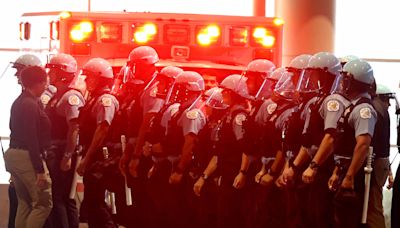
x=323 y=70
x=165 y=81
x=98 y=72
x=188 y=86
x=257 y=72
x=141 y=65
x=357 y=77
x=62 y=68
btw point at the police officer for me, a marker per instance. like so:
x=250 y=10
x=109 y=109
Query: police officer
x=63 y=111
x=233 y=162
x=205 y=160
x=142 y=72
x=95 y=121
x=263 y=125
x=169 y=176
x=356 y=129
x=381 y=165
x=260 y=86
x=322 y=71
x=152 y=100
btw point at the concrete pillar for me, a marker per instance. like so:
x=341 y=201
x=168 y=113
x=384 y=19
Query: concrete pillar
x=309 y=26
x=259 y=8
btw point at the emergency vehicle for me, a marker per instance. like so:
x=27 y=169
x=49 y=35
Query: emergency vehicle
x=215 y=45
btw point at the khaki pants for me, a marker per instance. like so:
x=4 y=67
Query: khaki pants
x=375 y=218
x=34 y=204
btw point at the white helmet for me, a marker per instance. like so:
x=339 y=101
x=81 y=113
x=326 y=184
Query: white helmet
x=237 y=84
x=325 y=61
x=27 y=60
x=300 y=62
x=213 y=98
x=65 y=62
x=383 y=90
x=260 y=66
x=99 y=67
x=277 y=74
x=360 y=70
x=191 y=80
x=347 y=58
x=171 y=71
x=322 y=71
x=143 y=54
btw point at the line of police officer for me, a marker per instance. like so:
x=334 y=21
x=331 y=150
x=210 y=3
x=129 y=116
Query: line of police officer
x=269 y=148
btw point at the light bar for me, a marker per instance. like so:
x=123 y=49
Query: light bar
x=208 y=35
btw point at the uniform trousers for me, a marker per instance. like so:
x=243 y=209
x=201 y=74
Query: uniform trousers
x=64 y=213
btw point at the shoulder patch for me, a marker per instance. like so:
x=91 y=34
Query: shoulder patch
x=332 y=106
x=239 y=119
x=153 y=92
x=365 y=113
x=271 y=108
x=192 y=114
x=45 y=99
x=106 y=101
x=73 y=100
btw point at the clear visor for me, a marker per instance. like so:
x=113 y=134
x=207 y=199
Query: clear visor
x=79 y=83
x=342 y=83
x=286 y=85
x=319 y=80
x=310 y=81
x=129 y=75
x=164 y=86
x=215 y=100
x=266 y=89
x=179 y=93
x=13 y=70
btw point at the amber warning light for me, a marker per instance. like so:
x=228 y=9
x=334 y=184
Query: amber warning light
x=263 y=37
x=81 y=31
x=145 y=33
x=208 y=35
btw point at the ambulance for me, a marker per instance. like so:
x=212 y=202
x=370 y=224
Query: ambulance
x=213 y=45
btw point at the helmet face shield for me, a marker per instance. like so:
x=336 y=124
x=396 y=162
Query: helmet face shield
x=213 y=98
x=164 y=86
x=310 y=81
x=266 y=89
x=315 y=80
x=79 y=83
x=286 y=86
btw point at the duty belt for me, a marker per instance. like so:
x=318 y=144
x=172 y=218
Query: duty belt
x=266 y=160
x=171 y=159
x=341 y=161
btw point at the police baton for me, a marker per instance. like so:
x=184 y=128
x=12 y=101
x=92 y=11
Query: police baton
x=72 y=192
x=110 y=195
x=368 y=171
x=128 y=192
